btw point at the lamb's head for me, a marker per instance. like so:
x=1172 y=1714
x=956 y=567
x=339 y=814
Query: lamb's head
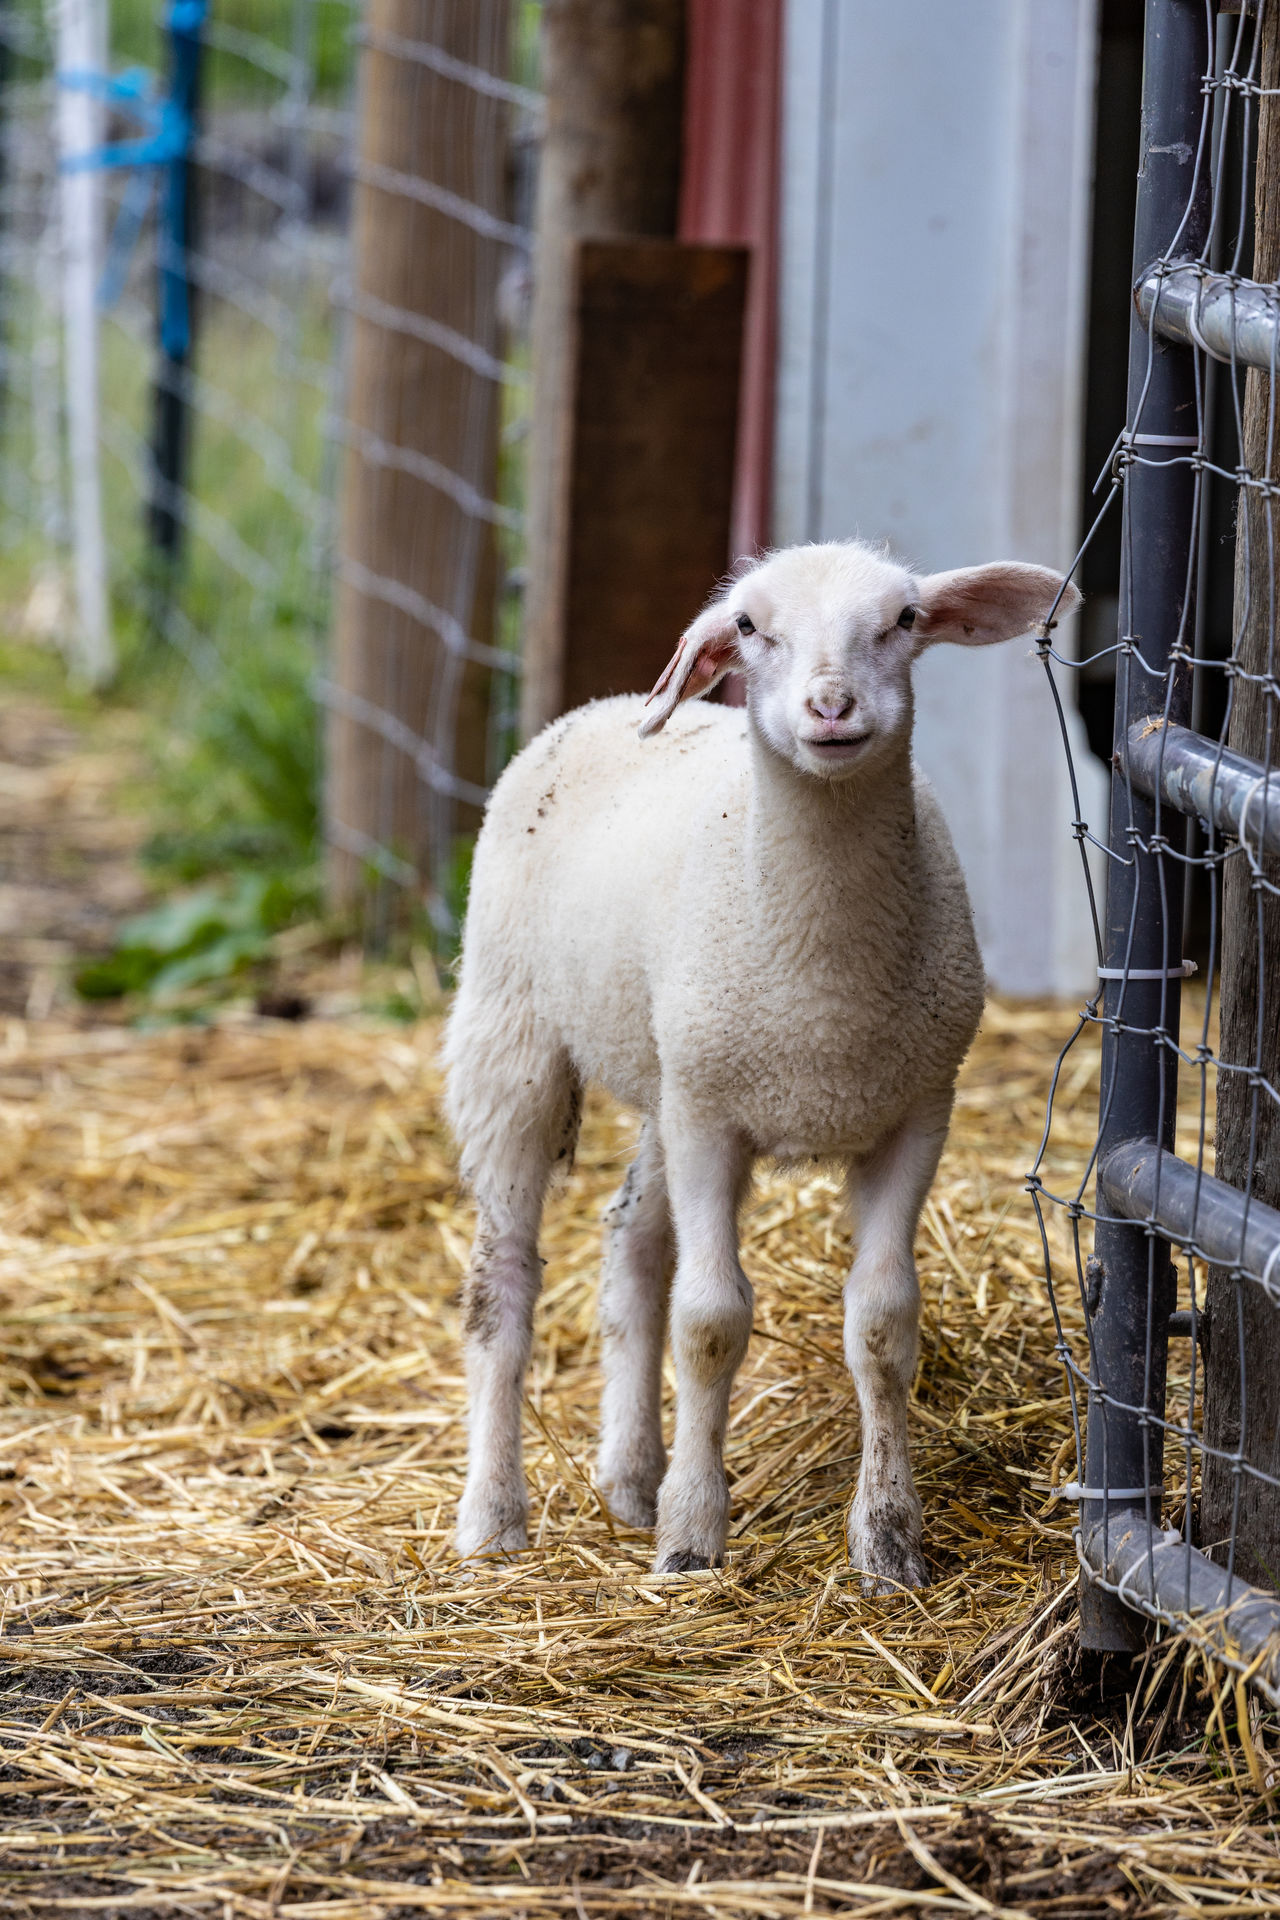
x=826 y=637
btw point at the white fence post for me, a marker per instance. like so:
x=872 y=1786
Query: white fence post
x=80 y=40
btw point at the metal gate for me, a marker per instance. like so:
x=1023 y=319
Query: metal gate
x=1168 y=1328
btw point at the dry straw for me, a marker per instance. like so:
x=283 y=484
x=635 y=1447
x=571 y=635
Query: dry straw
x=242 y=1674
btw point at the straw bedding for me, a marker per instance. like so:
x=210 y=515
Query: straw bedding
x=240 y=1673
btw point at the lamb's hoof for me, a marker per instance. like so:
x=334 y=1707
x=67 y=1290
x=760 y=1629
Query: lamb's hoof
x=693 y=1523
x=633 y=1504
x=912 y=1577
x=686 y=1560
x=490 y=1525
x=629 y=1479
x=886 y=1550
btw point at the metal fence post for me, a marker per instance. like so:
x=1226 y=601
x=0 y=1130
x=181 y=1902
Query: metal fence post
x=1131 y=1283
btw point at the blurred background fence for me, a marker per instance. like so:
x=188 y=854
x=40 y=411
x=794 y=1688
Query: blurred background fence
x=264 y=285
x=426 y=637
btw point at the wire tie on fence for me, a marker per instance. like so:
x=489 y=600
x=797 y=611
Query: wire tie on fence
x=1272 y=1257
x=1072 y=1490
x=1183 y=972
x=1162 y=439
x=1250 y=797
x=1193 y=319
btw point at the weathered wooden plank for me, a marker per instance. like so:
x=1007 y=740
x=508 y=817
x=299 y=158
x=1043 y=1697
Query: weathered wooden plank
x=657 y=353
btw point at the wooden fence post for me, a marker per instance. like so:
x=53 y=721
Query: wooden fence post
x=613 y=74
x=408 y=705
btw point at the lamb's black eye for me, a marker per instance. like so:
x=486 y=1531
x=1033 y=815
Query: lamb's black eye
x=745 y=623
x=907 y=618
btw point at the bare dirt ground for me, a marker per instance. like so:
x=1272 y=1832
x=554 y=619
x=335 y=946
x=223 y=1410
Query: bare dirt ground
x=68 y=871
x=241 y=1673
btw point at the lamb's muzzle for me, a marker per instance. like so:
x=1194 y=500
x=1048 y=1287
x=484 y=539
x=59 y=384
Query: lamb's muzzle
x=753 y=929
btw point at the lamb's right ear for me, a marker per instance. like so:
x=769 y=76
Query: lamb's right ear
x=706 y=652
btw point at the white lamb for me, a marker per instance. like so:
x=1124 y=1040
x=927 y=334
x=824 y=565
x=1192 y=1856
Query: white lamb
x=755 y=931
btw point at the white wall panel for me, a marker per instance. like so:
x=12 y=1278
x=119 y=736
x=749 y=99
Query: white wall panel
x=934 y=257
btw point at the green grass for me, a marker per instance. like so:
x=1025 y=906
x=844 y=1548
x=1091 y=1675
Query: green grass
x=248 y=372
x=136 y=38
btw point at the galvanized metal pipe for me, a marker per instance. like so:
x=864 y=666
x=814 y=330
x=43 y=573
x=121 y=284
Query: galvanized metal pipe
x=1158 y=1572
x=1128 y=1324
x=1211 y=310
x=1197 y=776
x=1139 y=1180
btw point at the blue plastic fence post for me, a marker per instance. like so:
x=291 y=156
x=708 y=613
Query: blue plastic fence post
x=176 y=243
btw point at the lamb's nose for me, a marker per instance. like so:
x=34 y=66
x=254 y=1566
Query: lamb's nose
x=831 y=706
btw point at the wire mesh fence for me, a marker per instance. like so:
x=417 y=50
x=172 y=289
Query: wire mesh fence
x=263 y=371
x=1167 y=1324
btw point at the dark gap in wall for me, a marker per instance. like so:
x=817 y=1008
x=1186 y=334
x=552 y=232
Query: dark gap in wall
x=1116 y=142
x=1115 y=177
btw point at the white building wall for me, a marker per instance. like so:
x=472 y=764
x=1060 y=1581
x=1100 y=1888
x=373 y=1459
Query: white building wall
x=935 y=231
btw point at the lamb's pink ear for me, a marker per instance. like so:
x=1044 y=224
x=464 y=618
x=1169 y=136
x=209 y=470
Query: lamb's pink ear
x=706 y=652
x=976 y=606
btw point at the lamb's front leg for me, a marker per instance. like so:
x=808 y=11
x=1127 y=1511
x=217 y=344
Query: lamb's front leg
x=711 y=1305
x=882 y=1346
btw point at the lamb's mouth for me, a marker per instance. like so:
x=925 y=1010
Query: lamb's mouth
x=837 y=748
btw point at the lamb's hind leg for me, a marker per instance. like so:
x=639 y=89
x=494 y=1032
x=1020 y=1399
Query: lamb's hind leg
x=633 y=1326
x=532 y=1127
x=882 y=1344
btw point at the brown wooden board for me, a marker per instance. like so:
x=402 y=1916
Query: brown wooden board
x=657 y=352
x=609 y=167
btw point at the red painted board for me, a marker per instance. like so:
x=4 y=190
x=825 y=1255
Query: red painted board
x=729 y=194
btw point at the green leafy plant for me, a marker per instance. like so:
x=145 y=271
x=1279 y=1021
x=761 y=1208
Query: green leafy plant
x=259 y=726
x=193 y=939
x=241 y=803
x=240 y=782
